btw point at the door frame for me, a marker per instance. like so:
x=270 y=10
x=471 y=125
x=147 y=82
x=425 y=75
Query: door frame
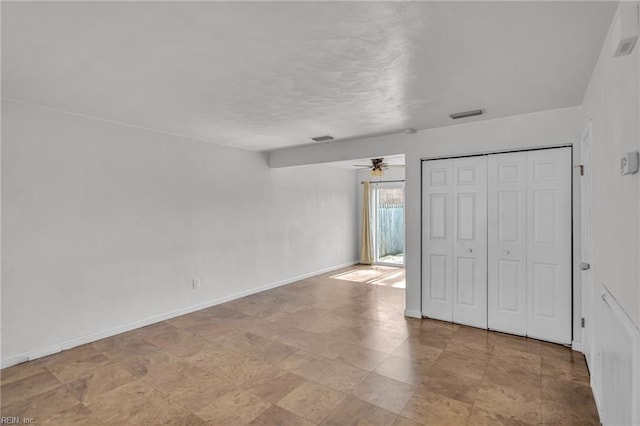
x=585 y=236
x=374 y=213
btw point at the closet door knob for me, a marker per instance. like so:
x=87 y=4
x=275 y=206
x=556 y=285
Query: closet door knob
x=506 y=252
x=469 y=250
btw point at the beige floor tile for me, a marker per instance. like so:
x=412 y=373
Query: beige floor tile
x=235 y=407
x=428 y=408
x=135 y=402
x=41 y=405
x=199 y=392
x=403 y=421
x=272 y=384
x=20 y=371
x=259 y=347
x=459 y=364
x=69 y=371
x=572 y=371
x=518 y=377
x=305 y=365
x=364 y=358
x=353 y=411
x=454 y=386
x=329 y=346
x=562 y=400
x=382 y=341
x=402 y=369
x=552 y=350
x=178 y=342
x=475 y=347
x=150 y=365
x=484 y=418
x=275 y=415
x=557 y=413
x=341 y=376
x=28 y=387
x=185 y=420
x=384 y=392
x=302 y=354
x=417 y=352
x=78 y=415
x=525 y=360
x=125 y=346
x=435 y=337
x=100 y=380
x=517 y=343
x=212 y=331
x=312 y=401
x=509 y=404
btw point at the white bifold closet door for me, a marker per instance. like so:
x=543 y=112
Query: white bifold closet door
x=454 y=253
x=437 y=239
x=470 y=241
x=529 y=244
x=549 y=245
x=507 y=243
x=497 y=242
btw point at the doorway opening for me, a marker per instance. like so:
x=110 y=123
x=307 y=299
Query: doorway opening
x=388 y=217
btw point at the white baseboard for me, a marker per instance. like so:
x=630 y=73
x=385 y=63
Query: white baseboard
x=576 y=346
x=412 y=314
x=596 y=397
x=82 y=340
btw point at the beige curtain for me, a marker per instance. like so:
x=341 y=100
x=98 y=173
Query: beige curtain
x=366 y=245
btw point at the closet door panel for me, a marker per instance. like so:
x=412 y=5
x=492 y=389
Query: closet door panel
x=549 y=245
x=506 y=248
x=469 y=241
x=437 y=239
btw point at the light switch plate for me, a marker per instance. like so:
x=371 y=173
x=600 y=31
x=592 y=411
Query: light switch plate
x=629 y=163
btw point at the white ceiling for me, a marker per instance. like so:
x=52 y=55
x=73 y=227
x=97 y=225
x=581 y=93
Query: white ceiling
x=268 y=75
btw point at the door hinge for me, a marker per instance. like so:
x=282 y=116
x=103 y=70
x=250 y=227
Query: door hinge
x=581 y=167
x=582 y=322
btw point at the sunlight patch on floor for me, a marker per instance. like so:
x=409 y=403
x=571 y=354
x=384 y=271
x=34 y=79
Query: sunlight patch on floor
x=377 y=275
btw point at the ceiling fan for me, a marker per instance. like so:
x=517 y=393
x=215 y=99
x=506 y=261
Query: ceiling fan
x=377 y=166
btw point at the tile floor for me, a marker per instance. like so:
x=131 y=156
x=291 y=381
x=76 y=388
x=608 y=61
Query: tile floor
x=333 y=350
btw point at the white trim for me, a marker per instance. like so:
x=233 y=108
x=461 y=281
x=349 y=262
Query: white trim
x=576 y=346
x=596 y=397
x=77 y=341
x=412 y=314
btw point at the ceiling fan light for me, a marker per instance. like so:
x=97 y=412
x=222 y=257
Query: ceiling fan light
x=376 y=172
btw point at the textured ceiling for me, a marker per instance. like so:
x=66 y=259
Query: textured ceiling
x=268 y=75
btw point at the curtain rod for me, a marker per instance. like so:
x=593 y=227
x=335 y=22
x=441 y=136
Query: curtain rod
x=382 y=181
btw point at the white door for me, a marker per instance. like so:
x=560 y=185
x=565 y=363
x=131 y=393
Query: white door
x=507 y=243
x=470 y=241
x=437 y=239
x=585 y=224
x=549 y=245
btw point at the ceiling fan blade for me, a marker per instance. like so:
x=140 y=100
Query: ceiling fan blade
x=362 y=165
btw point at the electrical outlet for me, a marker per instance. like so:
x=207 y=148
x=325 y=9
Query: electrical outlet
x=195 y=283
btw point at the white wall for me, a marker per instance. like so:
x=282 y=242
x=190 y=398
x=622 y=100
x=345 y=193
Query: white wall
x=545 y=128
x=104 y=226
x=612 y=102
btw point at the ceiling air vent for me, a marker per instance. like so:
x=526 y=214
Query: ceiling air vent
x=466 y=114
x=322 y=138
